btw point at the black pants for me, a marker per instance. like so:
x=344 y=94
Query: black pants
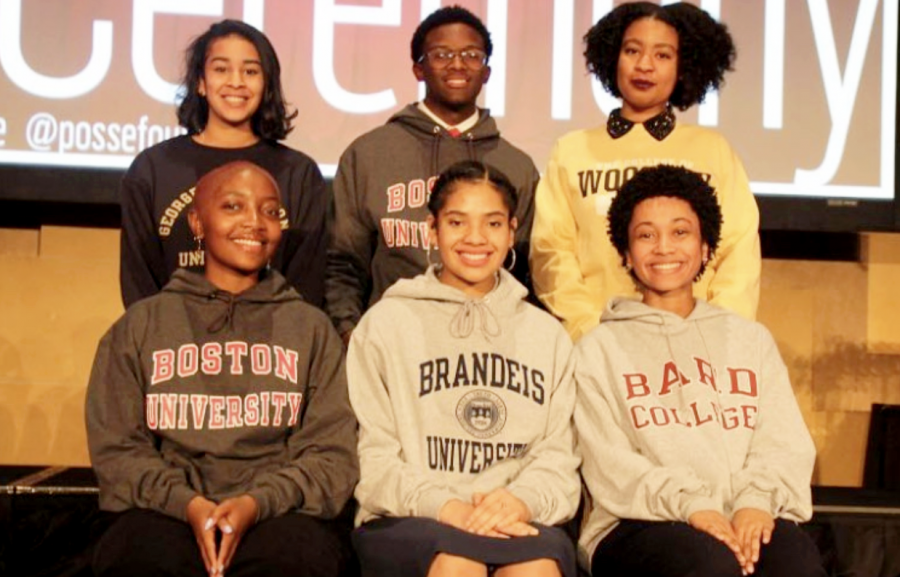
x=669 y=549
x=142 y=542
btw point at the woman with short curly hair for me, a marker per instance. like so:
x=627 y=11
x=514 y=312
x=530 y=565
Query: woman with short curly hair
x=655 y=58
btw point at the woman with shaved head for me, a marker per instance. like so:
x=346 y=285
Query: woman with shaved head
x=217 y=412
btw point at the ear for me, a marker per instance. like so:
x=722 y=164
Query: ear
x=513 y=226
x=194 y=223
x=201 y=88
x=704 y=252
x=628 y=263
x=432 y=231
x=486 y=73
x=418 y=72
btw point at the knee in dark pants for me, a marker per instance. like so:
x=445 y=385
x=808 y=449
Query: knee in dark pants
x=720 y=562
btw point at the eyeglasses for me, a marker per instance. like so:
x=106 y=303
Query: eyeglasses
x=472 y=58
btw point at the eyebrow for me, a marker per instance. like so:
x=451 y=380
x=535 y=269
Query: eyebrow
x=224 y=59
x=657 y=45
x=462 y=213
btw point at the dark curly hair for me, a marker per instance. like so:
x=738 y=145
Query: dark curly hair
x=705 y=48
x=471 y=171
x=671 y=181
x=448 y=15
x=271 y=121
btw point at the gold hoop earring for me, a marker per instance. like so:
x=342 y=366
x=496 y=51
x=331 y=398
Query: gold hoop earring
x=512 y=264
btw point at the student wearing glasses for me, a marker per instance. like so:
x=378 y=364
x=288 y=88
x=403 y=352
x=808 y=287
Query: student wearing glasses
x=383 y=180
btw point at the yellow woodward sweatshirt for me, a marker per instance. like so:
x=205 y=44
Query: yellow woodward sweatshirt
x=575 y=268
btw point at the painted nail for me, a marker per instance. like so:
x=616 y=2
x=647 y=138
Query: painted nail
x=227 y=529
x=209 y=524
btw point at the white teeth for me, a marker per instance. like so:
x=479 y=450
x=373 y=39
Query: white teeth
x=248 y=242
x=235 y=99
x=477 y=258
x=667 y=266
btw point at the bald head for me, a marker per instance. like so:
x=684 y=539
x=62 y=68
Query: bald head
x=233 y=172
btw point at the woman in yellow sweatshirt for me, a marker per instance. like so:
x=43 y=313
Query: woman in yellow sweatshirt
x=654 y=58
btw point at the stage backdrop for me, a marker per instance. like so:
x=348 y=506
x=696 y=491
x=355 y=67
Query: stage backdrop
x=811 y=107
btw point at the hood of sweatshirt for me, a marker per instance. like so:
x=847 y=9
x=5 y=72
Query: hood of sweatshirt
x=424 y=128
x=620 y=309
x=272 y=288
x=487 y=314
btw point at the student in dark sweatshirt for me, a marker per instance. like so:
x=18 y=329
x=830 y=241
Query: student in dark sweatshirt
x=233 y=109
x=217 y=412
x=464 y=396
x=384 y=177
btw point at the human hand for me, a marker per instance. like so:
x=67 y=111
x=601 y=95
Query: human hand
x=455 y=513
x=199 y=517
x=232 y=517
x=715 y=524
x=500 y=514
x=752 y=528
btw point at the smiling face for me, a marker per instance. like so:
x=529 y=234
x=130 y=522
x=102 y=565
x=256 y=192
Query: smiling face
x=236 y=212
x=452 y=89
x=665 y=251
x=232 y=83
x=473 y=232
x=648 y=68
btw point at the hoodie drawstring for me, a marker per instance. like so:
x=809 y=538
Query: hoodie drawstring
x=227 y=319
x=464 y=320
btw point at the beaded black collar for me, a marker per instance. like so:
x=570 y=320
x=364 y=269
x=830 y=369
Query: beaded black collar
x=659 y=127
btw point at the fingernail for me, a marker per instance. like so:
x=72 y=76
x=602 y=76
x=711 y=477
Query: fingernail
x=209 y=524
x=227 y=530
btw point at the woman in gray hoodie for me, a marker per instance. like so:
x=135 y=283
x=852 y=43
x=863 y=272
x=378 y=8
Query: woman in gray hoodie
x=464 y=396
x=695 y=453
x=217 y=413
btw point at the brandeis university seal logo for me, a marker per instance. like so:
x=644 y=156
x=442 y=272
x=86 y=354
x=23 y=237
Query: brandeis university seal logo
x=481 y=413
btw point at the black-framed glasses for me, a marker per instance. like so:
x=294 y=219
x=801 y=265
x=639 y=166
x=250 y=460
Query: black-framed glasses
x=472 y=58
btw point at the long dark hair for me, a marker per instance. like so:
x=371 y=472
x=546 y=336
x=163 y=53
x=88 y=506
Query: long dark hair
x=271 y=121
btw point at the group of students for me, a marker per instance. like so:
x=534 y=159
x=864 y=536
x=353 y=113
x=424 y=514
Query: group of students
x=229 y=425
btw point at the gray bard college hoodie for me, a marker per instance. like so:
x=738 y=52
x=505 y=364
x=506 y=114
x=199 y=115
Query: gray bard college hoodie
x=381 y=193
x=678 y=415
x=195 y=391
x=456 y=395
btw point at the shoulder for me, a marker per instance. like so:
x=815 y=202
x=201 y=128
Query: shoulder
x=378 y=137
x=161 y=155
x=575 y=142
x=515 y=155
x=700 y=134
x=277 y=154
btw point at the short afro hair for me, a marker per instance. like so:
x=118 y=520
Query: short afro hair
x=448 y=15
x=705 y=48
x=673 y=182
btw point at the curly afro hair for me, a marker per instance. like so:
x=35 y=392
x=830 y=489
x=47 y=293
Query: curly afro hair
x=448 y=15
x=670 y=181
x=705 y=48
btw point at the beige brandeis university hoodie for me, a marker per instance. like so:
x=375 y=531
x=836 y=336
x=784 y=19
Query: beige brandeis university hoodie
x=456 y=395
x=678 y=415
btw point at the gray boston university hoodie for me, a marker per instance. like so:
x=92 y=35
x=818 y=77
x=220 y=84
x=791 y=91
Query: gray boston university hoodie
x=381 y=194
x=677 y=415
x=195 y=391
x=456 y=395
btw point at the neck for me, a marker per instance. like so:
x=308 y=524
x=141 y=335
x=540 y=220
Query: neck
x=451 y=116
x=226 y=136
x=682 y=304
x=232 y=282
x=639 y=115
